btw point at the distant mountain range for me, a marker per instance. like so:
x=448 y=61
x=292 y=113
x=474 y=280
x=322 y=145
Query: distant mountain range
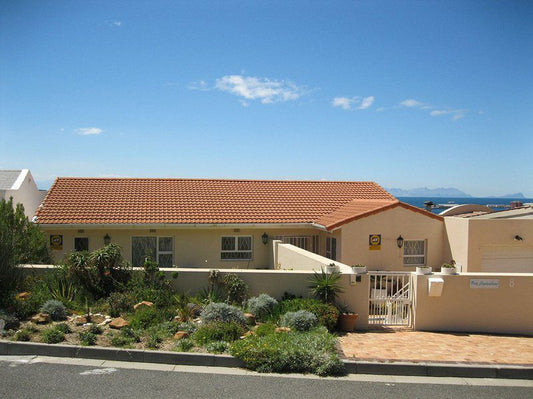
x=449 y=192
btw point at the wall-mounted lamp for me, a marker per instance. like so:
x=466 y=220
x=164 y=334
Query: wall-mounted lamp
x=518 y=238
x=264 y=238
x=107 y=239
x=399 y=241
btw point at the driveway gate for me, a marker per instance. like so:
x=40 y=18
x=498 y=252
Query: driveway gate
x=390 y=299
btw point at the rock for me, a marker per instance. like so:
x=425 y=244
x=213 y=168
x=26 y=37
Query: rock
x=97 y=318
x=250 y=318
x=248 y=333
x=119 y=323
x=282 y=329
x=23 y=295
x=177 y=319
x=181 y=335
x=41 y=318
x=79 y=320
x=105 y=322
x=143 y=303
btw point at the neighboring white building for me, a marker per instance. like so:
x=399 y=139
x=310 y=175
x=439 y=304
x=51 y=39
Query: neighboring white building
x=20 y=185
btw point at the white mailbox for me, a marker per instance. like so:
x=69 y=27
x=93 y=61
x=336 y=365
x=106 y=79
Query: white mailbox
x=435 y=285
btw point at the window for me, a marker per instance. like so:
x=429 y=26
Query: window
x=331 y=248
x=81 y=244
x=414 y=253
x=160 y=249
x=309 y=243
x=236 y=247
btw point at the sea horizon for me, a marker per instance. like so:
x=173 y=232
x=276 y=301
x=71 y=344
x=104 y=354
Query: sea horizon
x=419 y=201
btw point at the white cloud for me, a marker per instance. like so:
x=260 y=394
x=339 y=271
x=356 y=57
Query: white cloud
x=366 y=102
x=87 y=131
x=343 y=102
x=412 y=103
x=347 y=103
x=116 y=23
x=439 y=112
x=200 y=85
x=266 y=90
x=455 y=113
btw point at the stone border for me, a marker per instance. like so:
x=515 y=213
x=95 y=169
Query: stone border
x=10 y=348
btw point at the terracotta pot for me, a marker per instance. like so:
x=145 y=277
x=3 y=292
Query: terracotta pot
x=347 y=321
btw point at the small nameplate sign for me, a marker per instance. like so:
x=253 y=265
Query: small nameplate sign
x=484 y=283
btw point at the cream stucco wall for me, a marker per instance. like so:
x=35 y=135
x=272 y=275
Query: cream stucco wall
x=506 y=309
x=192 y=247
x=26 y=193
x=469 y=238
x=390 y=224
x=289 y=257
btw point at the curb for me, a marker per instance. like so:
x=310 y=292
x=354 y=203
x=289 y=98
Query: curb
x=201 y=359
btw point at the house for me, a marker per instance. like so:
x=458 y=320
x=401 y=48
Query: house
x=20 y=185
x=487 y=241
x=218 y=223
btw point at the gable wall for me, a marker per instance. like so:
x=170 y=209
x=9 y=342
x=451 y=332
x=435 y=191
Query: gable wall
x=390 y=224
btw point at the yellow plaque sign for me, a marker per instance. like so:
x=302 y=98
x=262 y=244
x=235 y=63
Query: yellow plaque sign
x=56 y=242
x=374 y=242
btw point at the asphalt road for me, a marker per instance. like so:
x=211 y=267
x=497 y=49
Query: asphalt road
x=20 y=378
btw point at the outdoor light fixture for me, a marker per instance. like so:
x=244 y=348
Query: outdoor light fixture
x=399 y=241
x=107 y=239
x=264 y=237
x=518 y=238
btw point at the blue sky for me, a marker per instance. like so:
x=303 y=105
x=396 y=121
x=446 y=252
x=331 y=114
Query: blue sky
x=407 y=94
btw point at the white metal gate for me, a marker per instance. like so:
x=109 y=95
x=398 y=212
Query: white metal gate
x=390 y=299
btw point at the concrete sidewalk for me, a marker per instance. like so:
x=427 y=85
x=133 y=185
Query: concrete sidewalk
x=397 y=345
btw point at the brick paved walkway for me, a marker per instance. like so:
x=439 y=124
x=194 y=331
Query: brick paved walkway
x=418 y=346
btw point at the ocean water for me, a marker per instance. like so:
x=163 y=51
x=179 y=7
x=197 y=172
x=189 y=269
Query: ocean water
x=419 y=201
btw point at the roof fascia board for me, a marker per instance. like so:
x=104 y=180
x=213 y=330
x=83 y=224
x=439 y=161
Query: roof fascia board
x=186 y=226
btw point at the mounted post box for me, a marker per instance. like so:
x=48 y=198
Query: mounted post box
x=435 y=285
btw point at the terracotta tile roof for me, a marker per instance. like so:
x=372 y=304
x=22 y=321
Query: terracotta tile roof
x=206 y=201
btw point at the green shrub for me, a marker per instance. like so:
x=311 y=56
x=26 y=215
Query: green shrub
x=218 y=331
x=154 y=339
x=55 y=309
x=222 y=312
x=87 y=338
x=169 y=328
x=301 y=320
x=236 y=289
x=188 y=326
x=146 y=316
x=295 y=352
x=159 y=292
x=261 y=306
x=63 y=327
x=326 y=286
x=119 y=302
x=121 y=341
x=52 y=336
x=131 y=334
x=217 y=347
x=95 y=329
x=327 y=314
x=265 y=329
x=185 y=345
x=11 y=322
x=22 y=335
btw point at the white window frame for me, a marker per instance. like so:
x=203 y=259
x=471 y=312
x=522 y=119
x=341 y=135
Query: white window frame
x=236 y=248
x=425 y=255
x=157 y=251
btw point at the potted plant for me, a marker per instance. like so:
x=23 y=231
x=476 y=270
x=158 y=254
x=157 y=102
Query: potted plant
x=347 y=321
x=332 y=268
x=423 y=270
x=359 y=269
x=448 y=268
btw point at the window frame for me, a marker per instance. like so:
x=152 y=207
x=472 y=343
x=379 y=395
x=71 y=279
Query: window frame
x=236 y=248
x=331 y=248
x=425 y=255
x=74 y=243
x=157 y=251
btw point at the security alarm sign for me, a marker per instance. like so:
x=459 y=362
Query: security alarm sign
x=374 y=242
x=56 y=242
